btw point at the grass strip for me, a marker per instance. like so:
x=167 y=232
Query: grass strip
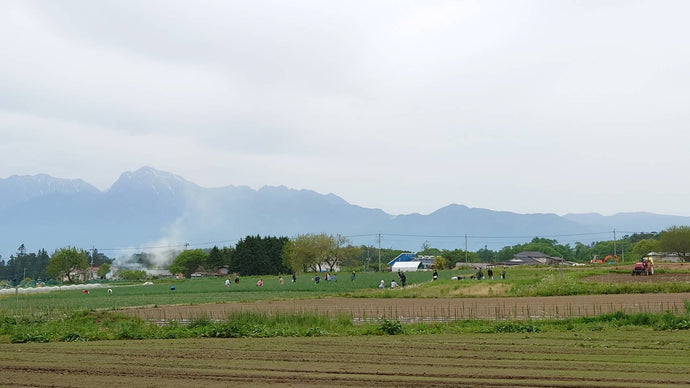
x=91 y=325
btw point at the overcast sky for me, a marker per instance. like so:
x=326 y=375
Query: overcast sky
x=407 y=106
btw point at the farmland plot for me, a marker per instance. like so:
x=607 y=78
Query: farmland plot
x=434 y=309
x=632 y=357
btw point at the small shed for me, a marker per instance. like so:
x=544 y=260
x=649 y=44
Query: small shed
x=407 y=266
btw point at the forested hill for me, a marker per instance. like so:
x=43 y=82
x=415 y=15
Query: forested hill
x=148 y=207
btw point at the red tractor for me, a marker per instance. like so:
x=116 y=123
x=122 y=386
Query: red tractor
x=642 y=268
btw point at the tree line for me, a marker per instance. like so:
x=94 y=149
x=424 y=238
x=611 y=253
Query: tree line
x=257 y=255
x=37 y=266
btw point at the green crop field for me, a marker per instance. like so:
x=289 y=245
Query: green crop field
x=69 y=338
x=526 y=282
x=196 y=291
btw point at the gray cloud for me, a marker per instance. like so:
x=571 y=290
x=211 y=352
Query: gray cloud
x=407 y=106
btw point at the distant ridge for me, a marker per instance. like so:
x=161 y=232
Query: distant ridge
x=150 y=207
x=21 y=188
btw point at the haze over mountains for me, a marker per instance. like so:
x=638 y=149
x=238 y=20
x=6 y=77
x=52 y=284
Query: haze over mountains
x=151 y=208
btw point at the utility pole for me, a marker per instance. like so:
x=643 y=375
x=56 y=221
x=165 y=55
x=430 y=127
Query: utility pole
x=93 y=253
x=614 y=241
x=366 y=267
x=466 y=259
x=379 y=252
x=186 y=245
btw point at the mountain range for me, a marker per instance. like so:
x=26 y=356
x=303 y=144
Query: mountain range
x=149 y=208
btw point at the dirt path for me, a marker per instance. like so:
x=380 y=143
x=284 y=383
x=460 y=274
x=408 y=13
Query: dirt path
x=410 y=310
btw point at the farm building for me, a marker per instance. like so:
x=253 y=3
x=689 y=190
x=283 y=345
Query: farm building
x=662 y=256
x=427 y=261
x=533 y=258
x=407 y=266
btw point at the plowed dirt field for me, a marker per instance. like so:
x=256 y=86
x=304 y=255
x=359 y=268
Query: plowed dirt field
x=616 y=358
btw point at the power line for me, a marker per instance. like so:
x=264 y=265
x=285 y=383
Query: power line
x=376 y=239
x=361 y=235
x=496 y=237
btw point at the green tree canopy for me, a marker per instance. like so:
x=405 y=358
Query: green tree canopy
x=441 y=262
x=311 y=251
x=68 y=262
x=98 y=258
x=427 y=250
x=103 y=270
x=256 y=255
x=25 y=265
x=336 y=250
x=351 y=256
x=215 y=259
x=459 y=256
x=538 y=244
x=643 y=247
x=368 y=256
x=307 y=251
x=676 y=239
x=188 y=262
x=486 y=255
x=131 y=274
x=582 y=252
x=602 y=249
x=637 y=237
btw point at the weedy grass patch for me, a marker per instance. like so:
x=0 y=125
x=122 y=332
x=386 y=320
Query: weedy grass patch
x=92 y=325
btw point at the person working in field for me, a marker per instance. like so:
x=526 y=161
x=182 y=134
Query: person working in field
x=480 y=274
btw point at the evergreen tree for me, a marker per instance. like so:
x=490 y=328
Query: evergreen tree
x=255 y=255
x=215 y=259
